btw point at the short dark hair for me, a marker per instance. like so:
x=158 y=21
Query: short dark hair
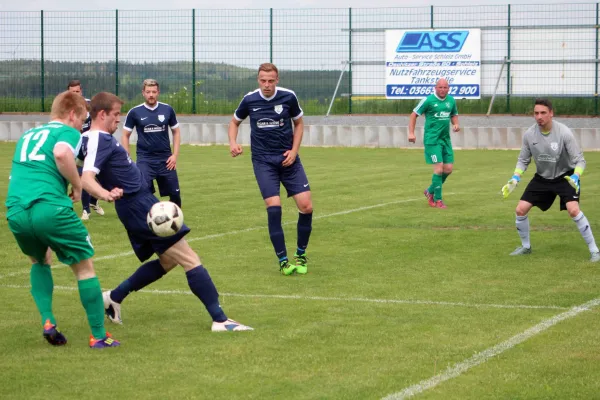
x=542 y=101
x=268 y=67
x=73 y=83
x=103 y=101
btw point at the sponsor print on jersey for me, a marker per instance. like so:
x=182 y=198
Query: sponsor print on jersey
x=442 y=114
x=155 y=128
x=546 y=158
x=269 y=123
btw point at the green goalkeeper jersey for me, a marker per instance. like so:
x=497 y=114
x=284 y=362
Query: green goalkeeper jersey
x=34 y=175
x=437 y=117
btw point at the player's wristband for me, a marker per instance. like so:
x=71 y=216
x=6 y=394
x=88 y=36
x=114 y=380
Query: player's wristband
x=516 y=178
x=575 y=178
x=579 y=171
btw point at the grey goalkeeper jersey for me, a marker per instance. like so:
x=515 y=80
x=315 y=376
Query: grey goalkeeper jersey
x=555 y=153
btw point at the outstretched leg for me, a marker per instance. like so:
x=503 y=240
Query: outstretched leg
x=146 y=274
x=584 y=228
x=201 y=285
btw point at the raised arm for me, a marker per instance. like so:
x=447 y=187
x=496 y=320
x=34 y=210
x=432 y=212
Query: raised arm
x=97 y=155
x=91 y=185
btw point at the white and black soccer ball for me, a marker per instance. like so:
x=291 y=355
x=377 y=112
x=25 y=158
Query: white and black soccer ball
x=165 y=218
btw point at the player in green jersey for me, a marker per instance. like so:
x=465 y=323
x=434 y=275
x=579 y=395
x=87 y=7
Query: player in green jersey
x=41 y=217
x=439 y=110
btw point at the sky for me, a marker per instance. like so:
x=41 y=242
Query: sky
x=78 y=5
x=303 y=40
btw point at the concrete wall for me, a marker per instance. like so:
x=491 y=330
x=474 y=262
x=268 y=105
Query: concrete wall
x=344 y=135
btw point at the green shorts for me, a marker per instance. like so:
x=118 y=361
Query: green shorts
x=46 y=225
x=439 y=153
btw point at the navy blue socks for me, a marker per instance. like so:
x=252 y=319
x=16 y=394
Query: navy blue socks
x=203 y=287
x=142 y=277
x=304 y=229
x=175 y=198
x=85 y=201
x=276 y=232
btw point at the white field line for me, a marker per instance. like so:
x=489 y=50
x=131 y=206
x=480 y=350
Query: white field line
x=235 y=232
x=480 y=358
x=340 y=299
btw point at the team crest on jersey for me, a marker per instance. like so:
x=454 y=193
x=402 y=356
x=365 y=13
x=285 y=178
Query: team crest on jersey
x=161 y=118
x=554 y=146
x=279 y=109
x=447 y=105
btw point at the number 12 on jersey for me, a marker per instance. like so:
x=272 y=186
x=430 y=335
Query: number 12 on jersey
x=40 y=138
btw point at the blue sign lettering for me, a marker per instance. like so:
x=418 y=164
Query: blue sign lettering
x=432 y=41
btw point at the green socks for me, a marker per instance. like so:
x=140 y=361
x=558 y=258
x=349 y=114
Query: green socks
x=90 y=294
x=42 y=286
x=436 y=187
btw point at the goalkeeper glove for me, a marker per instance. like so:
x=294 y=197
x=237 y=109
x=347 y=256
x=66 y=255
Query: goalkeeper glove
x=573 y=181
x=510 y=186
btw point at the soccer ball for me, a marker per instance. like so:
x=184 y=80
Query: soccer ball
x=165 y=218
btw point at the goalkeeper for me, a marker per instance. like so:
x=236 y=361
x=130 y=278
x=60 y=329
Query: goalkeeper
x=560 y=163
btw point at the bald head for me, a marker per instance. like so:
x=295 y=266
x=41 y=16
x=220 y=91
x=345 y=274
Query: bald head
x=441 y=88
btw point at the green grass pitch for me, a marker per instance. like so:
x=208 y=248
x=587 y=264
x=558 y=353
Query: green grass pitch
x=396 y=293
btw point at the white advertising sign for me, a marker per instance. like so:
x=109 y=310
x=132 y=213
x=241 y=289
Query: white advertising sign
x=416 y=59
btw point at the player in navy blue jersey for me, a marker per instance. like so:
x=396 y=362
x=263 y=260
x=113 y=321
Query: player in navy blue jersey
x=152 y=121
x=88 y=202
x=108 y=167
x=276 y=130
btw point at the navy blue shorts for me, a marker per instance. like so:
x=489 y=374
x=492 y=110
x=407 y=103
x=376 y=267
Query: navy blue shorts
x=168 y=183
x=270 y=174
x=132 y=211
